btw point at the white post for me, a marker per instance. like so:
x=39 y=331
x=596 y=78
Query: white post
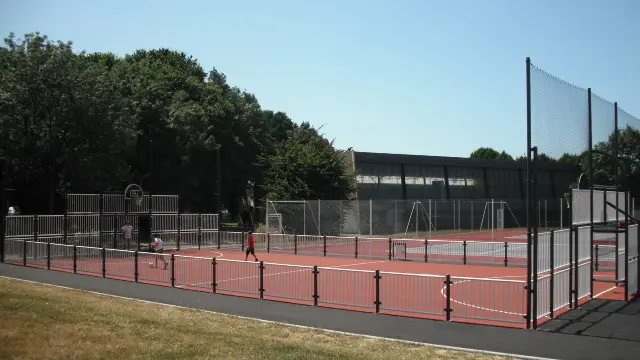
x=435 y=215
x=454 y=214
x=417 y=216
x=319 y=219
x=395 y=216
x=370 y=217
x=304 y=217
x=459 y=216
x=493 y=225
x=430 y=218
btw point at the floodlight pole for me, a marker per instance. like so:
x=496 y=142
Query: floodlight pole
x=218 y=181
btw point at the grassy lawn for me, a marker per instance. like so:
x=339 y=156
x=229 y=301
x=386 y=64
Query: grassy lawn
x=43 y=322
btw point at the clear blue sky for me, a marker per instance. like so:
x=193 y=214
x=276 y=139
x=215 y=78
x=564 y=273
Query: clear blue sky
x=415 y=76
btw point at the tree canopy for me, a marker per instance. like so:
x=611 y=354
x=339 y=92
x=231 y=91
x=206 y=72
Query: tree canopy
x=93 y=122
x=626 y=147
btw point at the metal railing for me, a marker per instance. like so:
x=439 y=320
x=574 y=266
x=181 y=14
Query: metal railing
x=443 y=297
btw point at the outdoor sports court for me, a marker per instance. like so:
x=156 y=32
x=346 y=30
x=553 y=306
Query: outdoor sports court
x=467 y=293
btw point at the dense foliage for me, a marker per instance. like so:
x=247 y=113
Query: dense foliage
x=93 y=122
x=626 y=147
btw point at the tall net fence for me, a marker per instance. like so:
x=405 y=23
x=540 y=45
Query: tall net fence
x=570 y=125
x=406 y=218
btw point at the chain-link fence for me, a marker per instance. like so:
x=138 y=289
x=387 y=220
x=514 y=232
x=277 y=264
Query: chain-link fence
x=407 y=218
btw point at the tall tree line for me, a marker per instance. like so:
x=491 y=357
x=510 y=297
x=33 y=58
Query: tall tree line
x=93 y=122
x=623 y=144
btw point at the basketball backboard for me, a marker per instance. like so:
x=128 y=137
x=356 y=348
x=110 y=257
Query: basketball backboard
x=135 y=192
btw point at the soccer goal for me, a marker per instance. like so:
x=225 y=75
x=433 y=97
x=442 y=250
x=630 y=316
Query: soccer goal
x=493 y=215
x=292 y=217
x=419 y=216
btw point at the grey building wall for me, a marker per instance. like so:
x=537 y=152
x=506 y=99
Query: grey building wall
x=396 y=176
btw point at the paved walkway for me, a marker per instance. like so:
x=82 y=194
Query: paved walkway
x=514 y=341
x=610 y=319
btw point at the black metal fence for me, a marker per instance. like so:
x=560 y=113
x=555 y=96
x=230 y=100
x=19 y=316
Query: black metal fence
x=570 y=125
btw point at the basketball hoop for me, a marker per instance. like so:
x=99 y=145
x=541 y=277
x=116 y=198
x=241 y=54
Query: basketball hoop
x=134 y=192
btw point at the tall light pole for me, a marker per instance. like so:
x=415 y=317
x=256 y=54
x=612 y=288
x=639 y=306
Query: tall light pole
x=219 y=181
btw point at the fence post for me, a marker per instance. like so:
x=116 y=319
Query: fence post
x=179 y=232
x=242 y=238
x=24 y=252
x=571 y=270
x=464 y=252
x=597 y=257
x=75 y=258
x=65 y=222
x=49 y=255
x=218 y=240
x=214 y=283
x=377 y=302
x=390 y=248
x=173 y=270
x=268 y=242
x=447 y=283
x=324 y=245
x=506 y=254
x=100 y=213
x=104 y=262
x=315 y=285
x=356 y=243
x=261 y=284
x=200 y=230
x=577 y=272
x=295 y=244
x=135 y=266
x=35 y=228
x=3 y=221
x=115 y=230
x=426 y=249
x=551 y=274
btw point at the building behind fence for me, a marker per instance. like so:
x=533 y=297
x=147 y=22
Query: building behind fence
x=455 y=193
x=408 y=218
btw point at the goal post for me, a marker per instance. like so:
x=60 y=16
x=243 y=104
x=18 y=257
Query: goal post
x=292 y=217
x=493 y=215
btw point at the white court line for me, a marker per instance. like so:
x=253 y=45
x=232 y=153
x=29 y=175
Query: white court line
x=501 y=311
x=305 y=268
x=443 y=347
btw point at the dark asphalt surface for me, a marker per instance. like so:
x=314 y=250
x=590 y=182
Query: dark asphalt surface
x=513 y=341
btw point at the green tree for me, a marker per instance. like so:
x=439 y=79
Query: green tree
x=307 y=166
x=72 y=121
x=490 y=154
x=56 y=126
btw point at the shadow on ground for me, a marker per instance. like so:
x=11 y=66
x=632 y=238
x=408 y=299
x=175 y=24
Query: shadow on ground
x=610 y=319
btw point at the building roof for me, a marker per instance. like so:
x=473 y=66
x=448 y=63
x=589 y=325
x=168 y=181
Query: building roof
x=371 y=157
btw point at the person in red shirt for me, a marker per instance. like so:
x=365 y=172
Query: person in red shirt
x=250 y=247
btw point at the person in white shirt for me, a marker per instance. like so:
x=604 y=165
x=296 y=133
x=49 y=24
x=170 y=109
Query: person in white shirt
x=127 y=231
x=158 y=247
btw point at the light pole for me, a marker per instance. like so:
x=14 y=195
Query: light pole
x=219 y=181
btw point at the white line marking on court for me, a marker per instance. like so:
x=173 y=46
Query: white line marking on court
x=604 y=292
x=443 y=347
x=501 y=311
x=305 y=268
x=480 y=307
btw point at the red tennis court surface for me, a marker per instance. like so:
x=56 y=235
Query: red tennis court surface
x=477 y=294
